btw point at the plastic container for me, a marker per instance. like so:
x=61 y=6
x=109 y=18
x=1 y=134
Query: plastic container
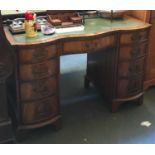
x=30 y=24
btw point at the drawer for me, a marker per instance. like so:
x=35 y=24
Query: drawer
x=131 y=68
x=134 y=36
x=132 y=52
x=37 y=54
x=40 y=70
x=127 y=87
x=39 y=110
x=152 y=19
x=38 y=89
x=88 y=45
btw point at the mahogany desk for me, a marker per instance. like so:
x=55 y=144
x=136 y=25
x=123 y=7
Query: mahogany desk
x=116 y=53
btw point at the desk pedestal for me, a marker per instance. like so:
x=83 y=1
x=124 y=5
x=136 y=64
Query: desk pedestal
x=118 y=71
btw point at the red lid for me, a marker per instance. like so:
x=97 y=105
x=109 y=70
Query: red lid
x=29 y=15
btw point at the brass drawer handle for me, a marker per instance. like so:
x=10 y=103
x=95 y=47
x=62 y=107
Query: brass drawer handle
x=39 y=55
x=135 y=68
x=134 y=85
x=91 y=45
x=153 y=22
x=135 y=52
x=40 y=88
x=39 y=70
x=136 y=37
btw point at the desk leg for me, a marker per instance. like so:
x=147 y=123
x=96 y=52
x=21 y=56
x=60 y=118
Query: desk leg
x=140 y=100
x=86 y=82
x=115 y=106
x=57 y=125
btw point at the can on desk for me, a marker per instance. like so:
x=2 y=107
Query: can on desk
x=30 y=28
x=30 y=24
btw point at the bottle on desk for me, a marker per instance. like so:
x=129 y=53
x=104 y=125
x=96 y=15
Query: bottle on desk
x=30 y=24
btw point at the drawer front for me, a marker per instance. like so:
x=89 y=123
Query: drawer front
x=127 y=87
x=132 y=52
x=130 y=68
x=39 y=111
x=134 y=36
x=88 y=45
x=38 y=54
x=40 y=70
x=38 y=89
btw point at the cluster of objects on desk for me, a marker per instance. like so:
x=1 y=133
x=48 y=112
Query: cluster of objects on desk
x=31 y=24
x=55 y=19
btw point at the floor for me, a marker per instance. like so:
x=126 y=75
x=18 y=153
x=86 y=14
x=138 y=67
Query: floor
x=86 y=117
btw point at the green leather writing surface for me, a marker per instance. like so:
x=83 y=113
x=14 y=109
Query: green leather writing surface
x=92 y=26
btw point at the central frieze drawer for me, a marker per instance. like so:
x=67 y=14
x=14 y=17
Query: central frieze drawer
x=38 y=89
x=39 y=110
x=130 y=68
x=134 y=36
x=88 y=45
x=37 y=54
x=39 y=70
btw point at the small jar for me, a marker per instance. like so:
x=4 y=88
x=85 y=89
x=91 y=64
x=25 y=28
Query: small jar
x=30 y=28
x=30 y=24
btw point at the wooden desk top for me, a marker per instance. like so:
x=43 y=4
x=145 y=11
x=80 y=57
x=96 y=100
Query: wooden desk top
x=93 y=27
